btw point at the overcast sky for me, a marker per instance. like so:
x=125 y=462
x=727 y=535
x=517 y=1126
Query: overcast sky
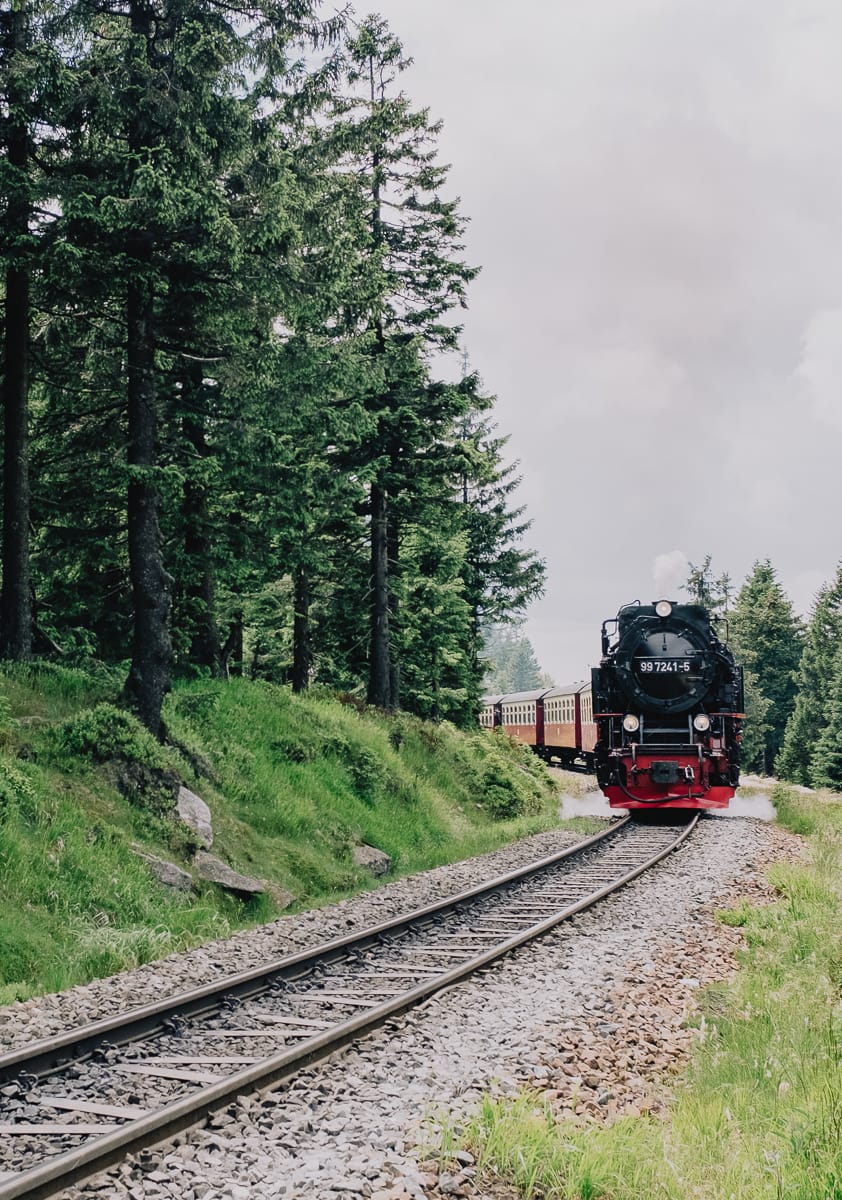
x=655 y=196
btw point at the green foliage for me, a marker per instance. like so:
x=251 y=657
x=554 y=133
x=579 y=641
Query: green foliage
x=51 y=689
x=7 y=721
x=756 y=727
x=714 y=594
x=519 y=1140
x=512 y=781
x=767 y=640
x=16 y=790
x=105 y=733
x=816 y=679
x=502 y=576
x=825 y=767
x=436 y=673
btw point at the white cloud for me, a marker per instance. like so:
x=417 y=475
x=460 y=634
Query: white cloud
x=821 y=365
x=631 y=376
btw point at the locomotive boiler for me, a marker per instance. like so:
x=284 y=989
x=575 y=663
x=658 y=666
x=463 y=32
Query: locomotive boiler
x=668 y=704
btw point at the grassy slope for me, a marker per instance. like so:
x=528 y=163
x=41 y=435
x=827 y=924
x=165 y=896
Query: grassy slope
x=293 y=785
x=758 y=1113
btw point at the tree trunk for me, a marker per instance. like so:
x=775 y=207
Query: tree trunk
x=379 y=684
x=232 y=651
x=16 y=603
x=200 y=590
x=301 y=654
x=149 y=677
x=393 y=544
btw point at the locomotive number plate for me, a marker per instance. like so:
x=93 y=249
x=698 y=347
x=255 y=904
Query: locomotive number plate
x=665 y=666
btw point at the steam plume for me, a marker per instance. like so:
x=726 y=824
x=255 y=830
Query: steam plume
x=669 y=573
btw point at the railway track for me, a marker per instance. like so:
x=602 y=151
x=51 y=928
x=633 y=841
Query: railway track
x=77 y=1103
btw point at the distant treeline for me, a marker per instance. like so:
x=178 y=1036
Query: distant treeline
x=230 y=269
x=793 y=672
x=510 y=662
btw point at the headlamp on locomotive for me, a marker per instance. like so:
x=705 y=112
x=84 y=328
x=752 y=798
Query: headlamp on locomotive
x=668 y=705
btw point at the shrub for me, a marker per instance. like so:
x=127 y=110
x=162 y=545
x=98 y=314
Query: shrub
x=292 y=750
x=6 y=719
x=501 y=798
x=367 y=771
x=105 y=733
x=17 y=791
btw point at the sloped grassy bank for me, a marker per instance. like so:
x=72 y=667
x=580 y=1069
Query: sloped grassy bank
x=757 y=1114
x=293 y=785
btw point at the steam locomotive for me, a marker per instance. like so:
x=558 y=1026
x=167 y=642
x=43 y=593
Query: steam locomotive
x=659 y=720
x=668 y=705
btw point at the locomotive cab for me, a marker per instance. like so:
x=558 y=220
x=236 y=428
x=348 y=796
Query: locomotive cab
x=668 y=701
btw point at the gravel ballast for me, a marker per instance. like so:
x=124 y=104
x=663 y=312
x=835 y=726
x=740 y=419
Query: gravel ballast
x=549 y=1017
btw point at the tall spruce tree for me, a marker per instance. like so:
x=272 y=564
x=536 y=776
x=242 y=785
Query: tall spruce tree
x=435 y=663
x=415 y=279
x=24 y=106
x=502 y=576
x=715 y=594
x=767 y=638
x=825 y=768
x=815 y=678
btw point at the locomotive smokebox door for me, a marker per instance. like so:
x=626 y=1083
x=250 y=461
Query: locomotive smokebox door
x=665 y=772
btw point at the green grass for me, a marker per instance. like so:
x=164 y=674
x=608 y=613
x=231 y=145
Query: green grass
x=758 y=1113
x=293 y=784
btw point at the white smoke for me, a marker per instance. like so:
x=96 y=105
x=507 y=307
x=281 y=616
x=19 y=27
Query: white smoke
x=670 y=572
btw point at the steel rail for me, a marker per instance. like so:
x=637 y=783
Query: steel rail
x=48 y=1054
x=82 y=1162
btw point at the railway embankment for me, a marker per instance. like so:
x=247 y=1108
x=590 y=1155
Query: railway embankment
x=117 y=851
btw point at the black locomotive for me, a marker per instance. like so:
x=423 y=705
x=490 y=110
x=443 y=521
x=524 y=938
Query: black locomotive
x=668 y=704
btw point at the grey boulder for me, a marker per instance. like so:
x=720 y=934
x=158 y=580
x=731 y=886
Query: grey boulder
x=209 y=867
x=374 y=860
x=195 y=813
x=167 y=873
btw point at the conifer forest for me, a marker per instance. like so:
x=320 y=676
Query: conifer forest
x=232 y=270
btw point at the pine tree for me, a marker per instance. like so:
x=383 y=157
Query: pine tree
x=756 y=727
x=27 y=69
x=767 y=639
x=811 y=715
x=413 y=281
x=510 y=663
x=501 y=575
x=825 y=769
x=714 y=594
x=435 y=667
